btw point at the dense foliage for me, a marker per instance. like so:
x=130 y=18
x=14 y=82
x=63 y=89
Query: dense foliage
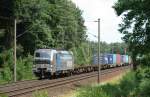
x=50 y=24
x=135 y=25
x=40 y=24
x=117 y=48
x=24 y=67
x=44 y=24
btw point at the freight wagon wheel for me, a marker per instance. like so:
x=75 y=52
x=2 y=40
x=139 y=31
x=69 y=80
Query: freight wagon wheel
x=70 y=73
x=49 y=76
x=53 y=76
x=64 y=74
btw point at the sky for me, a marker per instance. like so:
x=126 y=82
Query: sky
x=94 y=9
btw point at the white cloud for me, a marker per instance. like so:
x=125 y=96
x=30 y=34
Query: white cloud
x=94 y=9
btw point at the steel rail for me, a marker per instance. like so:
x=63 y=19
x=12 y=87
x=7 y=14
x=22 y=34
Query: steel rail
x=57 y=82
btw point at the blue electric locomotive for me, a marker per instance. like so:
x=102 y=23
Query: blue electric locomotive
x=48 y=62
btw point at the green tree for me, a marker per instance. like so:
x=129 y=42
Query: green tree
x=6 y=11
x=110 y=48
x=49 y=24
x=43 y=24
x=135 y=25
x=7 y=65
x=40 y=24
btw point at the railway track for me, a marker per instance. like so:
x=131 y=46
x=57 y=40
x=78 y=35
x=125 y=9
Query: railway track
x=17 y=89
x=17 y=83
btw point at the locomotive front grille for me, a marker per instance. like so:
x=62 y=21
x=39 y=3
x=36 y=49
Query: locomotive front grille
x=40 y=69
x=42 y=61
x=42 y=65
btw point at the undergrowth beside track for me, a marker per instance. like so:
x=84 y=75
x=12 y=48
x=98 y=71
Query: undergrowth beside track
x=133 y=84
x=43 y=93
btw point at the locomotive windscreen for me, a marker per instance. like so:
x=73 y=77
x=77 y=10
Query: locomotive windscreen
x=42 y=55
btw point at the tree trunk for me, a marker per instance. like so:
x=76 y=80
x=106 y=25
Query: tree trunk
x=134 y=61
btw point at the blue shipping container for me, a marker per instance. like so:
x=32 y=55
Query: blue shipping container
x=103 y=59
x=123 y=58
x=114 y=58
x=111 y=58
x=127 y=59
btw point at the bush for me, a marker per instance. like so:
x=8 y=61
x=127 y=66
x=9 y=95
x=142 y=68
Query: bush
x=143 y=73
x=7 y=65
x=112 y=90
x=7 y=74
x=144 y=88
x=91 y=92
x=143 y=76
x=126 y=88
x=24 y=67
x=128 y=85
x=145 y=60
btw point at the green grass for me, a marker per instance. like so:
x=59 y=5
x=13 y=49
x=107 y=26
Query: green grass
x=125 y=88
x=43 y=93
x=89 y=91
x=3 y=82
x=3 y=95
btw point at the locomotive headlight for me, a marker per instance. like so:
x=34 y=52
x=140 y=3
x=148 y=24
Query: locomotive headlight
x=34 y=66
x=50 y=66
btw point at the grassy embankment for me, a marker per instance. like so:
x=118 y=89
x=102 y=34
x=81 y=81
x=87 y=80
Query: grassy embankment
x=114 y=80
x=133 y=84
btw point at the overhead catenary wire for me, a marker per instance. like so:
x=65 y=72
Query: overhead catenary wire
x=92 y=35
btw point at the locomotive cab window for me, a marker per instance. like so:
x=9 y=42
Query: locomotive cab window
x=42 y=55
x=37 y=55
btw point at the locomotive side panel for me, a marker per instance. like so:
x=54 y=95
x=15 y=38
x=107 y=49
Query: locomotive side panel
x=64 y=61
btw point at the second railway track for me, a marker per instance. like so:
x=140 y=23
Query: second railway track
x=24 y=88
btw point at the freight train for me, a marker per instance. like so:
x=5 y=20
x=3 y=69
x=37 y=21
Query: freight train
x=111 y=60
x=49 y=62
